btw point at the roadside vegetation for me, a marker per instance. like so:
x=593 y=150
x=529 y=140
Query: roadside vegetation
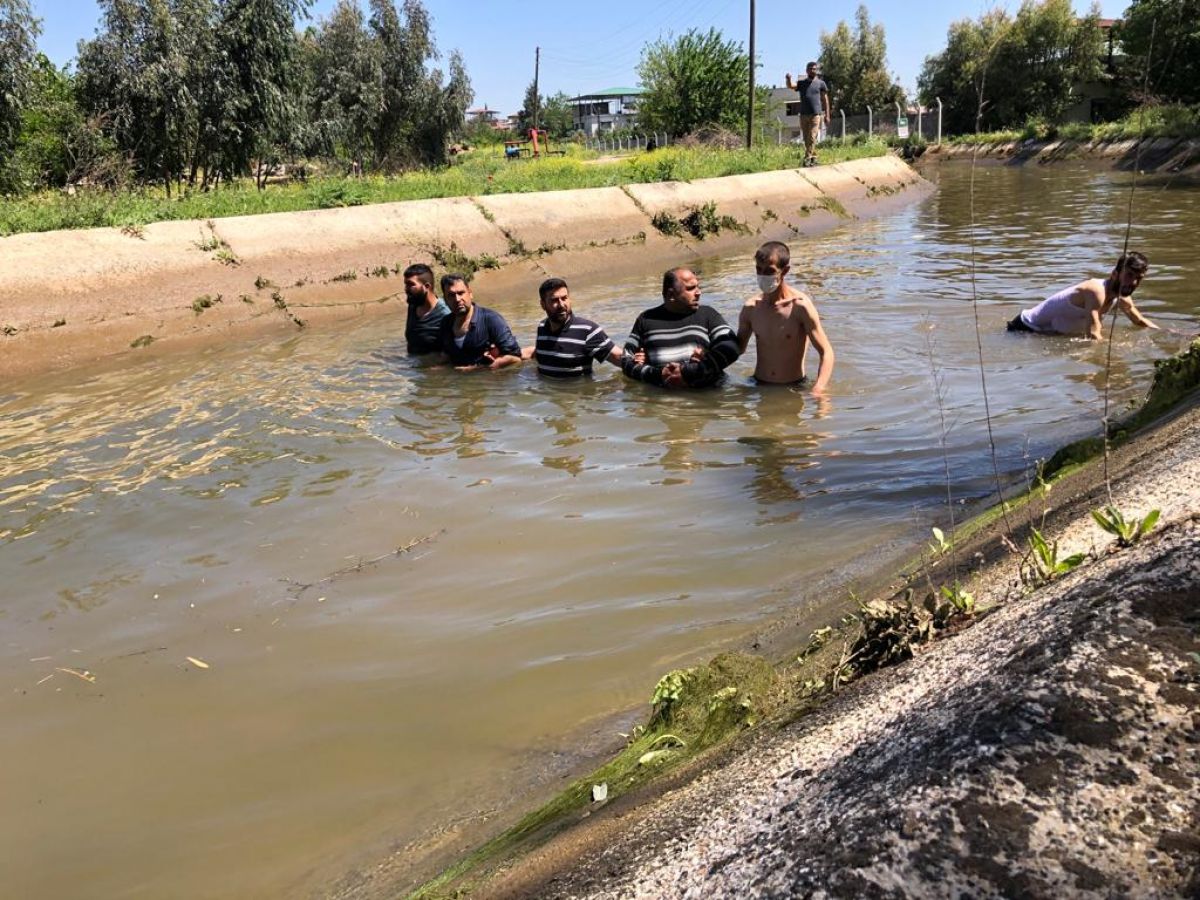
x=479 y=173
x=1171 y=121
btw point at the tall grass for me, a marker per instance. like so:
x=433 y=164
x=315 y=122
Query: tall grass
x=1170 y=121
x=477 y=174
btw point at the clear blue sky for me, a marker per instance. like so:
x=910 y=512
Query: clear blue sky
x=592 y=46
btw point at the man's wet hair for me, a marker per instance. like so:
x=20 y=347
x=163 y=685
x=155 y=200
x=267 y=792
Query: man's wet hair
x=421 y=272
x=1133 y=261
x=549 y=286
x=450 y=278
x=773 y=252
x=671 y=281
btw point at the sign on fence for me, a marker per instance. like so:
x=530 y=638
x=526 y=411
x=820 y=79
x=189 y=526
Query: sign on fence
x=902 y=127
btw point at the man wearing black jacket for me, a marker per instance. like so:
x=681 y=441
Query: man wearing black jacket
x=680 y=343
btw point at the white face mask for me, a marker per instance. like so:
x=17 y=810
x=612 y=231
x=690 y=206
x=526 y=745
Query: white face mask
x=767 y=283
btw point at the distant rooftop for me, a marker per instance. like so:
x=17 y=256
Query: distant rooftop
x=611 y=92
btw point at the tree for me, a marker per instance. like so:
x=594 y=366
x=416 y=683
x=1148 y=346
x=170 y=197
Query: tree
x=1173 y=62
x=258 y=50
x=348 y=83
x=696 y=80
x=1009 y=71
x=18 y=41
x=558 y=115
x=442 y=112
x=140 y=76
x=532 y=102
x=855 y=66
x=406 y=45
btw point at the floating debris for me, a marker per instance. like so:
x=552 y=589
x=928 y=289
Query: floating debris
x=198 y=663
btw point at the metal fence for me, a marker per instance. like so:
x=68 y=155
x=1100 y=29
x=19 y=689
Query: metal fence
x=925 y=121
x=615 y=143
x=889 y=122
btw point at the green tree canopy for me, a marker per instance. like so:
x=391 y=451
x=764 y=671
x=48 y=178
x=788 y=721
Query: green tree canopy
x=1174 y=60
x=18 y=44
x=697 y=79
x=1009 y=70
x=854 y=64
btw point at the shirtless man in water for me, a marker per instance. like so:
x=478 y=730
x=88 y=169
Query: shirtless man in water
x=783 y=321
x=1080 y=309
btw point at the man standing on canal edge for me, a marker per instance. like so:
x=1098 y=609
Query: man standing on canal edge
x=680 y=343
x=566 y=343
x=1080 y=309
x=783 y=321
x=814 y=105
x=425 y=310
x=474 y=337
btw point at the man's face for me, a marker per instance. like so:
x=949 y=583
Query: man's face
x=557 y=305
x=771 y=267
x=414 y=289
x=1127 y=281
x=811 y=71
x=459 y=299
x=686 y=294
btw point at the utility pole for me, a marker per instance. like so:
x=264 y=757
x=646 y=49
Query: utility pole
x=750 y=101
x=537 y=61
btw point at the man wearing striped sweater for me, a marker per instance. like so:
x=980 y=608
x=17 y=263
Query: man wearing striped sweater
x=567 y=343
x=680 y=344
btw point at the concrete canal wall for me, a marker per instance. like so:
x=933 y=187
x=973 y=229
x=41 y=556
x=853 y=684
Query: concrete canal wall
x=70 y=297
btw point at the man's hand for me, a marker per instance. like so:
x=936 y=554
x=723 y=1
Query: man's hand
x=639 y=358
x=672 y=376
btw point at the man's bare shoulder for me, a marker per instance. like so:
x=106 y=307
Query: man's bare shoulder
x=1092 y=288
x=753 y=301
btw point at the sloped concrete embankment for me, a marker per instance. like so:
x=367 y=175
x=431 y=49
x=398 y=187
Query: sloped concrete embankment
x=1174 y=155
x=1050 y=750
x=72 y=296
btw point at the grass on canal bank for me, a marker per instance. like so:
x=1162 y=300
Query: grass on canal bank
x=478 y=173
x=1152 y=122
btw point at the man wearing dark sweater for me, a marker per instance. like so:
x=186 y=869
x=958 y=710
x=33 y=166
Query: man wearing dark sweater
x=680 y=343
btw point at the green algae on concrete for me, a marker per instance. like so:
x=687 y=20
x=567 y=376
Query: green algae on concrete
x=692 y=710
x=1174 y=379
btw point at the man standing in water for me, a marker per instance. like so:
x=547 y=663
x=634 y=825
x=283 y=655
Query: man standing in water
x=1079 y=310
x=474 y=337
x=425 y=310
x=680 y=343
x=566 y=343
x=783 y=322
x=814 y=106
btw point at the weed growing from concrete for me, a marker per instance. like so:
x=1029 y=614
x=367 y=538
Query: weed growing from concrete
x=205 y=301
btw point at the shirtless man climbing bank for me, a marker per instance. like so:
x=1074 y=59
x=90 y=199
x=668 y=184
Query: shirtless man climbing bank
x=783 y=322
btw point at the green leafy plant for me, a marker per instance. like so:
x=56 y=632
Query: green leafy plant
x=1127 y=531
x=962 y=601
x=1044 y=563
x=940 y=545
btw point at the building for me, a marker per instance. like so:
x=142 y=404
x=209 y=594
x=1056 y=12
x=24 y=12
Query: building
x=1096 y=100
x=488 y=116
x=607 y=110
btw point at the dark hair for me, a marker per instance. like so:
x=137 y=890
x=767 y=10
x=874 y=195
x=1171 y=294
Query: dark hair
x=549 y=286
x=451 y=278
x=813 y=65
x=1133 y=261
x=773 y=251
x=670 y=281
x=421 y=272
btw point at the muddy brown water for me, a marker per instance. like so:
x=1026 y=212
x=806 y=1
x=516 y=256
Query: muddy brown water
x=566 y=543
